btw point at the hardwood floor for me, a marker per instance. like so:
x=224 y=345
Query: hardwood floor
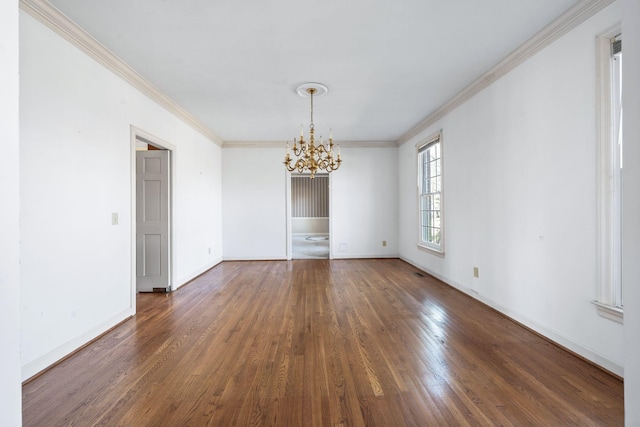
x=320 y=343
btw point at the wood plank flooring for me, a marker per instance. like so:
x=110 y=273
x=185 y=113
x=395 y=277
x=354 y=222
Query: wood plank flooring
x=320 y=343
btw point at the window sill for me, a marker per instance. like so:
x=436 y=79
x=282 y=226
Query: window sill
x=610 y=312
x=431 y=250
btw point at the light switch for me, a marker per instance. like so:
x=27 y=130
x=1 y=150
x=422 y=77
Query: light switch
x=114 y=218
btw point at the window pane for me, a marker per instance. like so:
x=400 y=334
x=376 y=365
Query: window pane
x=424 y=203
x=436 y=202
x=433 y=185
x=436 y=237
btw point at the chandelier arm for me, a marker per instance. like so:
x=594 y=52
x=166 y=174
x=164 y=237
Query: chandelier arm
x=287 y=163
x=326 y=158
x=300 y=165
x=297 y=151
x=322 y=148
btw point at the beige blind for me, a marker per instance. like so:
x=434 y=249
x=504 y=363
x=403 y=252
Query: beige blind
x=310 y=197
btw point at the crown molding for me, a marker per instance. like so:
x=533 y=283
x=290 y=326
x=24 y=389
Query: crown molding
x=367 y=144
x=283 y=144
x=570 y=19
x=257 y=144
x=70 y=31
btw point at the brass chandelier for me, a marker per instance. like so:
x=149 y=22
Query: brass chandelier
x=312 y=157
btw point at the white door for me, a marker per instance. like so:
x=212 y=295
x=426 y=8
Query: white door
x=152 y=222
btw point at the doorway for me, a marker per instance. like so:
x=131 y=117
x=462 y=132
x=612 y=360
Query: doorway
x=152 y=198
x=310 y=217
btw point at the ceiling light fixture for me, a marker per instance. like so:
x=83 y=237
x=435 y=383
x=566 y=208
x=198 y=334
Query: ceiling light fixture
x=312 y=157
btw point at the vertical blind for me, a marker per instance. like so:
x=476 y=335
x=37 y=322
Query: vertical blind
x=310 y=197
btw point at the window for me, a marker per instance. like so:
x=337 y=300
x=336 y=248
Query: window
x=430 y=195
x=610 y=297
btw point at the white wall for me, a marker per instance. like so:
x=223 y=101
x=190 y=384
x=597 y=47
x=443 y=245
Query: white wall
x=520 y=196
x=76 y=169
x=310 y=225
x=10 y=389
x=198 y=206
x=363 y=204
x=631 y=210
x=254 y=203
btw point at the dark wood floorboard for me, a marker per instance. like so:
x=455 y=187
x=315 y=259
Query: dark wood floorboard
x=320 y=343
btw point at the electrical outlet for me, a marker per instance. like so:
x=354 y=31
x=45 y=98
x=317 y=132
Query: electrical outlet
x=384 y=243
x=476 y=272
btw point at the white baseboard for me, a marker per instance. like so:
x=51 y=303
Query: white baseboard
x=189 y=277
x=363 y=256
x=616 y=367
x=262 y=258
x=57 y=354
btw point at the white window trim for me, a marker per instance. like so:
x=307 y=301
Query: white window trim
x=606 y=251
x=609 y=311
x=433 y=249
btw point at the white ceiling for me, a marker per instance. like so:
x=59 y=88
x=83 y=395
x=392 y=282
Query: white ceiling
x=235 y=64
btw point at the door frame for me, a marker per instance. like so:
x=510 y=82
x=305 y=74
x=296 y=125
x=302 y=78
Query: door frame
x=138 y=134
x=289 y=237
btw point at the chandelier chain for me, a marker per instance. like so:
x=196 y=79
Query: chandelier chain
x=311 y=92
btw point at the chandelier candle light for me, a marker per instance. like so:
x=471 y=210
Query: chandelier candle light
x=312 y=157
